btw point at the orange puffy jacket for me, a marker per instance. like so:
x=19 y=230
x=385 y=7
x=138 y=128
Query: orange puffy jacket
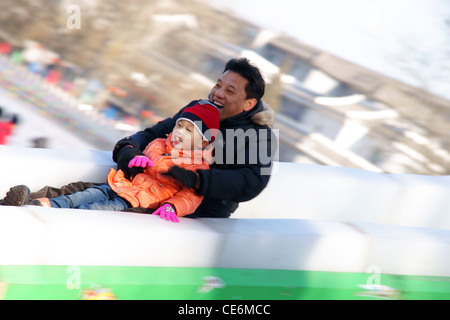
x=151 y=189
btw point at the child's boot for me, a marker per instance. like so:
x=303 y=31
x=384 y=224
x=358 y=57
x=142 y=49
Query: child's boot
x=17 y=196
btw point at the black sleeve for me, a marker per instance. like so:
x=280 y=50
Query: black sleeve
x=241 y=182
x=238 y=185
x=141 y=139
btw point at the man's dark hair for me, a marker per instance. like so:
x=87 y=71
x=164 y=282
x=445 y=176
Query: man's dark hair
x=256 y=84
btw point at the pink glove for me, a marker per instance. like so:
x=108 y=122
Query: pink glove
x=140 y=161
x=167 y=212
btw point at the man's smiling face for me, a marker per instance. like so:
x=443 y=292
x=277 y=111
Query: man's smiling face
x=229 y=95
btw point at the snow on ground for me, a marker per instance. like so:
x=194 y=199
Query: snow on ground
x=50 y=114
x=32 y=125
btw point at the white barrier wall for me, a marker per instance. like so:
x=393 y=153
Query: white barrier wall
x=295 y=191
x=37 y=168
x=360 y=208
x=298 y=191
x=44 y=236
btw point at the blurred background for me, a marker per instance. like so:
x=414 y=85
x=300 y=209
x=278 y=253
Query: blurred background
x=361 y=84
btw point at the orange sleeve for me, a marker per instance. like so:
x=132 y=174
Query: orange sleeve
x=186 y=201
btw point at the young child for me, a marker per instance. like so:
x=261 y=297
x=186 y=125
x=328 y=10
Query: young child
x=187 y=147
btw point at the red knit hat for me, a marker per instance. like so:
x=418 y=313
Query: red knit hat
x=205 y=117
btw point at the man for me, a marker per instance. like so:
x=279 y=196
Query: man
x=243 y=153
x=243 y=148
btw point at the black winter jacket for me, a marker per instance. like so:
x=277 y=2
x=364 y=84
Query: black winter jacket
x=243 y=156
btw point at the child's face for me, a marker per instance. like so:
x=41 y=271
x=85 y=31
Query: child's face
x=186 y=136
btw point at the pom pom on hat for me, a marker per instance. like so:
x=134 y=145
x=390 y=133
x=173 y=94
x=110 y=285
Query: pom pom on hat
x=205 y=117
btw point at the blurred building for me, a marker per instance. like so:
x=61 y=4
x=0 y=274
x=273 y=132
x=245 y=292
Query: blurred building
x=163 y=53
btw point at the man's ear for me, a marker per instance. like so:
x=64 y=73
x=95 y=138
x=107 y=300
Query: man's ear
x=204 y=144
x=250 y=103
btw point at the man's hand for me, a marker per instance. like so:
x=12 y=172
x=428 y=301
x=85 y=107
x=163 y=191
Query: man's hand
x=166 y=211
x=123 y=160
x=188 y=178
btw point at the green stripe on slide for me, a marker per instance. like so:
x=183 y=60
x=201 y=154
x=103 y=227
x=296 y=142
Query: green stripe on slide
x=171 y=283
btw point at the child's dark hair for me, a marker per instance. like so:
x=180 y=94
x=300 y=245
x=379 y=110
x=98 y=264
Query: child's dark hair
x=256 y=85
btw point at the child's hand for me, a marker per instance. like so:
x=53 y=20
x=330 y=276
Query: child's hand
x=166 y=211
x=140 y=161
